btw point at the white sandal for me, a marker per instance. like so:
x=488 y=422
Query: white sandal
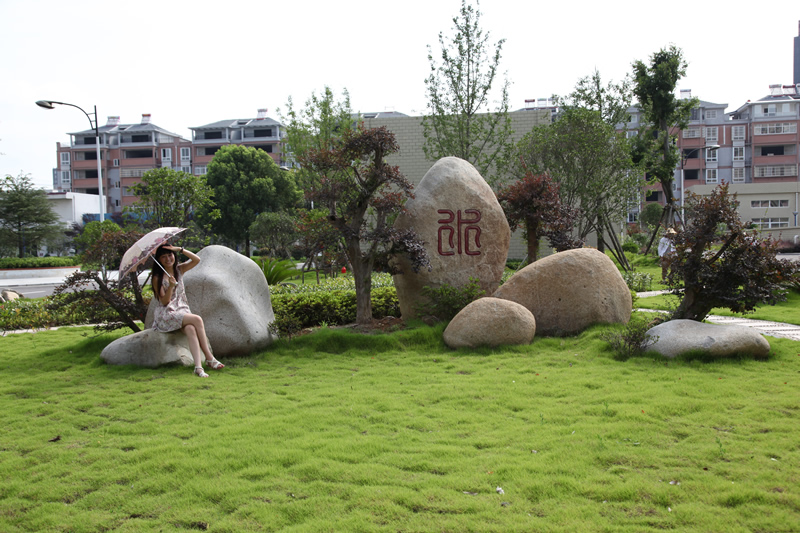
x=213 y=364
x=199 y=372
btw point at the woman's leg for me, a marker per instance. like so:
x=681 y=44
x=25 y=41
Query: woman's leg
x=194 y=347
x=200 y=329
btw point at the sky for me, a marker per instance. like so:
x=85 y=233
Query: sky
x=190 y=63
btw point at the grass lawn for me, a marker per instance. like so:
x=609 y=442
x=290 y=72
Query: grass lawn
x=394 y=432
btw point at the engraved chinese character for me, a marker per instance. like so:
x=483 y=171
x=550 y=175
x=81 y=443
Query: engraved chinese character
x=465 y=227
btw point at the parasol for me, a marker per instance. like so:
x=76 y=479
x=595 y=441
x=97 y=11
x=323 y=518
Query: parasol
x=142 y=249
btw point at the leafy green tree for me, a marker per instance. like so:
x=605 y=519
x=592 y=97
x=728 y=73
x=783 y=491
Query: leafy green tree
x=592 y=164
x=654 y=87
x=26 y=217
x=363 y=195
x=320 y=125
x=246 y=181
x=170 y=197
x=718 y=263
x=611 y=100
x=275 y=232
x=92 y=232
x=459 y=121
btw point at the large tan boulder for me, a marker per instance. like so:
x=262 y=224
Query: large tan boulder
x=230 y=292
x=569 y=291
x=490 y=322
x=464 y=229
x=676 y=337
x=149 y=348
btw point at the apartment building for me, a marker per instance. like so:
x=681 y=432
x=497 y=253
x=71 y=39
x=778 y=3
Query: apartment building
x=126 y=152
x=260 y=132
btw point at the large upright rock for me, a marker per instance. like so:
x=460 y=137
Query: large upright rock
x=466 y=235
x=569 y=291
x=230 y=292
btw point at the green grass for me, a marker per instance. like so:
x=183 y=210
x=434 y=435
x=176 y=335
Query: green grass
x=339 y=432
x=787 y=312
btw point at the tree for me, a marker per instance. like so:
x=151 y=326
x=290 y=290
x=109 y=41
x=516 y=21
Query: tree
x=459 y=122
x=104 y=302
x=740 y=275
x=275 y=232
x=363 y=195
x=26 y=217
x=654 y=87
x=92 y=232
x=318 y=126
x=592 y=164
x=534 y=203
x=245 y=182
x=170 y=197
x=611 y=101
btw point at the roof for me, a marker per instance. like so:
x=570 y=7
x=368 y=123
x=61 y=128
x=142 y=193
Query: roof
x=238 y=123
x=128 y=128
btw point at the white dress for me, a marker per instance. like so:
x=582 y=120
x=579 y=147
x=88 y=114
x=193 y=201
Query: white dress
x=170 y=317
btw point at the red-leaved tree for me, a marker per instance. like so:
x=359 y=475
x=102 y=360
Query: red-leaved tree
x=718 y=263
x=534 y=203
x=364 y=195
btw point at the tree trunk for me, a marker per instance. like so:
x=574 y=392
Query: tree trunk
x=691 y=308
x=532 y=229
x=362 y=275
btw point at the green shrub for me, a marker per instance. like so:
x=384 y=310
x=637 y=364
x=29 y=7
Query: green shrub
x=41 y=313
x=638 y=281
x=335 y=307
x=446 y=301
x=630 y=246
x=633 y=340
x=277 y=270
x=38 y=262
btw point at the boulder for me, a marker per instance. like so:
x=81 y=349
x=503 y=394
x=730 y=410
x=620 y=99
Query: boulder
x=568 y=291
x=680 y=336
x=230 y=292
x=7 y=295
x=149 y=348
x=457 y=216
x=490 y=322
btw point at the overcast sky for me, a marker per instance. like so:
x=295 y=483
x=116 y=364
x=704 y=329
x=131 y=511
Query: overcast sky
x=189 y=63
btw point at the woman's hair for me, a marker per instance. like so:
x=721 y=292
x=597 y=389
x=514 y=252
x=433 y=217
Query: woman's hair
x=157 y=271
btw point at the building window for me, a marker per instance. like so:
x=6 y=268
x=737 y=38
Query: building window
x=775 y=128
x=186 y=154
x=263 y=133
x=200 y=170
x=711 y=175
x=711 y=134
x=212 y=135
x=711 y=113
x=132 y=172
x=738 y=175
x=116 y=162
x=138 y=154
x=711 y=155
x=768 y=110
x=633 y=216
x=692 y=133
x=775 y=171
x=691 y=174
x=140 y=138
x=65 y=158
x=769 y=203
x=188 y=170
x=166 y=154
x=126 y=191
x=631 y=133
x=772 y=223
x=738 y=133
x=65 y=177
x=738 y=153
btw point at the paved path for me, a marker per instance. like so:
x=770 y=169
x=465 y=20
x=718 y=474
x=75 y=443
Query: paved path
x=773 y=329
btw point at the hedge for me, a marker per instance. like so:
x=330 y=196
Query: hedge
x=333 y=307
x=38 y=262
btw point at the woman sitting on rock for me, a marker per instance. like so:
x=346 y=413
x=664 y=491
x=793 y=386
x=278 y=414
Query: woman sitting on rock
x=172 y=312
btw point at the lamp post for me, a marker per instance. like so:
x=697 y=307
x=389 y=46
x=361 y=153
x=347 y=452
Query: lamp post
x=48 y=104
x=684 y=157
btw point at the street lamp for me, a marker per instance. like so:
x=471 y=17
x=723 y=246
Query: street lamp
x=684 y=157
x=48 y=104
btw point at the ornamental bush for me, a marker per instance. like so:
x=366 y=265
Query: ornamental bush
x=38 y=262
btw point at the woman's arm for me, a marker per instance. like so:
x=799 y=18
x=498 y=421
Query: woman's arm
x=186 y=266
